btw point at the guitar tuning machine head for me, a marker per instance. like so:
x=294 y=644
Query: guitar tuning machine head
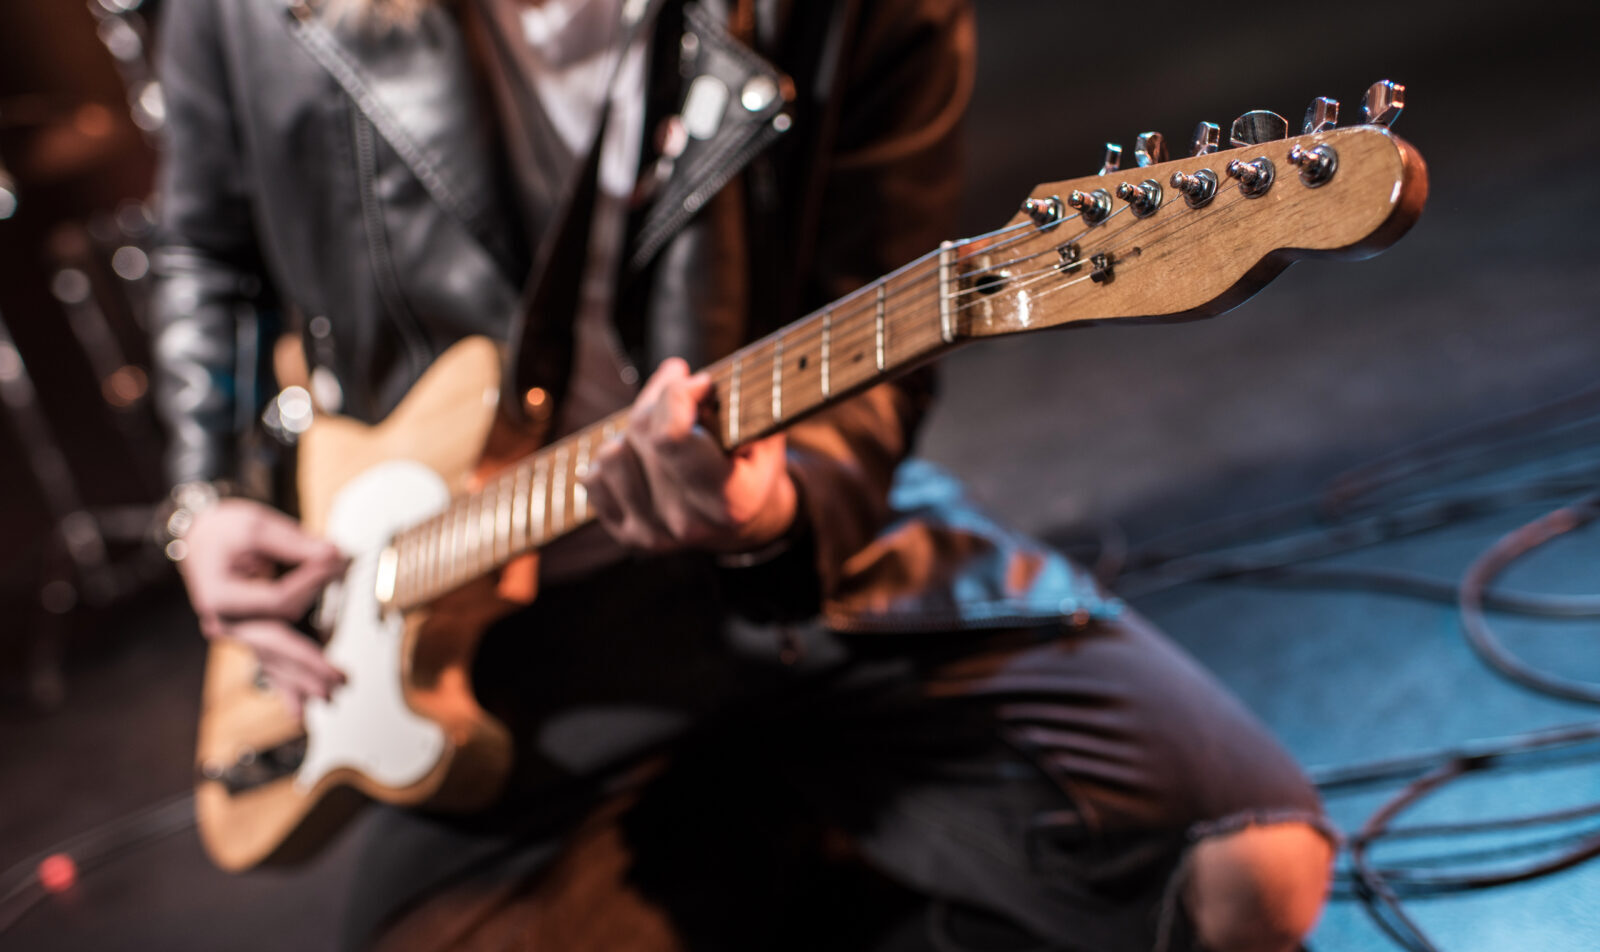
x=1045 y=211
x=1149 y=149
x=1383 y=102
x=1316 y=164
x=1207 y=138
x=1094 y=207
x=1321 y=115
x=1143 y=199
x=1258 y=126
x=1198 y=188
x=1255 y=176
x=1113 y=159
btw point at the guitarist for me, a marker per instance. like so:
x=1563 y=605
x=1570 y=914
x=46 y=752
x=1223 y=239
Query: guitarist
x=978 y=750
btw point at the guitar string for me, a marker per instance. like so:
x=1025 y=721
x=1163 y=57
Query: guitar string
x=1166 y=225
x=461 y=509
x=488 y=552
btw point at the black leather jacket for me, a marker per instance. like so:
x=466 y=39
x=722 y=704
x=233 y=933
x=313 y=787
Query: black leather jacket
x=353 y=174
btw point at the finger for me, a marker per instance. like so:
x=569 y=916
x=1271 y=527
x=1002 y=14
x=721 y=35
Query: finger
x=280 y=537
x=294 y=685
x=624 y=482
x=671 y=369
x=275 y=642
x=678 y=409
x=595 y=483
x=287 y=597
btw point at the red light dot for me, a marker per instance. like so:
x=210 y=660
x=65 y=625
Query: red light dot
x=58 y=873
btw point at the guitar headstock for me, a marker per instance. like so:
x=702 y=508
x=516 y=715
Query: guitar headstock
x=1194 y=237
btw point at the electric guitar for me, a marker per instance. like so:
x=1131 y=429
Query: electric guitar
x=430 y=533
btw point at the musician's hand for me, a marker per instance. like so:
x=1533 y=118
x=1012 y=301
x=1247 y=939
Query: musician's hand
x=234 y=550
x=668 y=484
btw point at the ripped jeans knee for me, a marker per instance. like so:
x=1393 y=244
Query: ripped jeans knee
x=1249 y=883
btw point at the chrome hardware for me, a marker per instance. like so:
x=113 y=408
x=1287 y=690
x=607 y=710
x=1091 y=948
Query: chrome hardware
x=1258 y=126
x=1198 y=188
x=1321 y=115
x=1149 y=149
x=1316 y=164
x=1045 y=211
x=758 y=93
x=1255 y=176
x=1207 y=137
x=1103 y=264
x=1094 y=207
x=1113 y=159
x=1143 y=198
x=1069 y=257
x=1383 y=102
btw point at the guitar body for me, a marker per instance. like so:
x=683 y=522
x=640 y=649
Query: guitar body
x=406 y=728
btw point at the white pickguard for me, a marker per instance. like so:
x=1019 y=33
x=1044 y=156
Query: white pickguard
x=367 y=725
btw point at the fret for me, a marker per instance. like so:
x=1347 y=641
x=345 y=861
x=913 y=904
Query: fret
x=409 y=562
x=541 y=469
x=468 y=554
x=483 y=549
x=502 y=519
x=777 y=380
x=947 y=316
x=463 y=541
x=519 y=508
x=435 y=543
x=880 y=317
x=733 y=403
x=558 y=492
x=580 y=469
x=398 y=543
x=827 y=346
x=450 y=550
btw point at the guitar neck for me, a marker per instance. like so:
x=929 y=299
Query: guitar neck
x=887 y=327
x=1181 y=239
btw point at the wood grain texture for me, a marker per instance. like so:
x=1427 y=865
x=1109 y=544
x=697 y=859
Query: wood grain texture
x=1183 y=262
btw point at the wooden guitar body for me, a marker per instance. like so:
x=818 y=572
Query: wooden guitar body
x=406 y=728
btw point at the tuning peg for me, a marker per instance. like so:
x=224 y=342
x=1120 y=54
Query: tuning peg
x=1044 y=211
x=1094 y=207
x=1383 y=102
x=1113 y=159
x=1207 y=136
x=1149 y=149
x=1321 y=115
x=1258 y=126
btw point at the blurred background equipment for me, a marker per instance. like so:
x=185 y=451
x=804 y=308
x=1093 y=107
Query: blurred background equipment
x=78 y=109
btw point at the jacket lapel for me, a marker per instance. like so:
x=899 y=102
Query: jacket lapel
x=733 y=105
x=411 y=84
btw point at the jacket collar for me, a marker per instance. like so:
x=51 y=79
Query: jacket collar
x=731 y=105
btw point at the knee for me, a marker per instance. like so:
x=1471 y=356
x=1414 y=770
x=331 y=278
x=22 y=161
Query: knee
x=1259 y=889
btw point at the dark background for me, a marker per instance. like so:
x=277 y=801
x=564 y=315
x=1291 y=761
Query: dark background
x=1489 y=306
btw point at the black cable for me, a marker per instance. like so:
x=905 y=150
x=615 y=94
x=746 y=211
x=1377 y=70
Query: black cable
x=1491 y=563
